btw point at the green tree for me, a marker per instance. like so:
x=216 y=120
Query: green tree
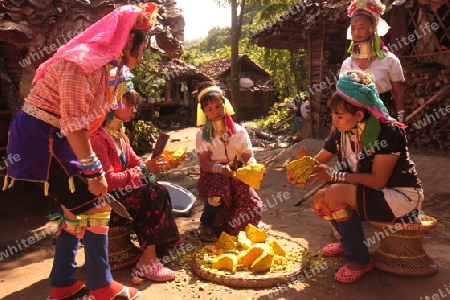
x=148 y=79
x=286 y=67
x=217 y=38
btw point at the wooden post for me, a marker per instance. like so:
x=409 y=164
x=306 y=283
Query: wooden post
x=321 y=78
x=311 y=112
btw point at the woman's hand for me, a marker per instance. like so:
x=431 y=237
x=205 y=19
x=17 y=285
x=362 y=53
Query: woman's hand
x=293 y=180
x=159 y=164
x=320 y=172
x=226 y=170
x=98 y=186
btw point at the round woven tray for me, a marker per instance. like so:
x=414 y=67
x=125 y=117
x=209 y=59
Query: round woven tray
x=257 y=280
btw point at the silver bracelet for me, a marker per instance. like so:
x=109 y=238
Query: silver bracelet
x=89 y=161
x=333 y=176
x=217 y=168
x=342 y=177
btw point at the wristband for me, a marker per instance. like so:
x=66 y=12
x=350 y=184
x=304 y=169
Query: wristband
x=91 y=167
x=94 y=176
x=90 y=160
x=144 y=169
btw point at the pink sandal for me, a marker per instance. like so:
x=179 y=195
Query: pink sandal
x=345 y=275
x=157 y=272
x=332 y=250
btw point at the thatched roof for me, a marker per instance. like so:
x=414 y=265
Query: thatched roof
x=220 y=70
x=175 y=69
x=290 y=30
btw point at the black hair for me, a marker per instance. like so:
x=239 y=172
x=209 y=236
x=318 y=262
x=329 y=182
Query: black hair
x=206 y=99
x=337 y=102
x=132 y=98
x=364 y=15
x=139 y=38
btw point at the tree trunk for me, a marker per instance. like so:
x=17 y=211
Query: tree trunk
x=234 y=65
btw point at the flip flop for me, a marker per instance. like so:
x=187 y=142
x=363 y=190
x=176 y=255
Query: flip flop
x=206 y=234
x=332 y=250
x=345 y=275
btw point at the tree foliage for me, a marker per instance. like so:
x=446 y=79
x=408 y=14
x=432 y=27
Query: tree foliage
x=285 y=67
x=148 y=79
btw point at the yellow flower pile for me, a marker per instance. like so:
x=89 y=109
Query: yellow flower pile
x=251 y=174
x=251 y=250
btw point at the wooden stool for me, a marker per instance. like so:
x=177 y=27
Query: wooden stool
x=121 y=250
x=400 y=251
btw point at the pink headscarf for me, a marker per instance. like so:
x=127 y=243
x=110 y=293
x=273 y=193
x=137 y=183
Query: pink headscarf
x=98 y=44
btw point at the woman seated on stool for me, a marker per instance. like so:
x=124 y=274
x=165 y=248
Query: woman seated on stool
x=377 y=181
x=148 y=202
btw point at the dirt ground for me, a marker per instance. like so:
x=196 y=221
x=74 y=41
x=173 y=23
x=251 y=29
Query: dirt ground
x=25 y=267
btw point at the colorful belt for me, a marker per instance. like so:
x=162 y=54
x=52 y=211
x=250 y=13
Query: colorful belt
x=41 y=114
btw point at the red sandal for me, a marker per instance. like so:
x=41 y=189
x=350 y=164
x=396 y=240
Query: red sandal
x=113 y=290
x=345 y=275
x=332 y=250
x=57 y=293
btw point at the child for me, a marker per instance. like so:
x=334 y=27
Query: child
x=218 y=142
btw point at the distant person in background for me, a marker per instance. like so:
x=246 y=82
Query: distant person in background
x=302 y=110
x=369 y=54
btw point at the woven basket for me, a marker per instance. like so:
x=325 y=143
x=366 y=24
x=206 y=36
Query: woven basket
x=401 y=252
x=247 y=279
x=121 y=251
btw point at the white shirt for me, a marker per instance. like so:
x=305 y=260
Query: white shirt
x=385 y=71
x=238 y=144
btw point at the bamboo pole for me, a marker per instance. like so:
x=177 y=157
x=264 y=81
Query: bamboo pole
x=431 y=100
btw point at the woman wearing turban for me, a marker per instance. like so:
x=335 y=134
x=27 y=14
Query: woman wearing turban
x=375 y=178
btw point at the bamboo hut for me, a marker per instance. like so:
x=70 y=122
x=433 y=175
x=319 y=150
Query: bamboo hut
x=175 y=103
x=256 y=87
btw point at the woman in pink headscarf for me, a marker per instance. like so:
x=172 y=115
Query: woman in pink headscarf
x=72 y=92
